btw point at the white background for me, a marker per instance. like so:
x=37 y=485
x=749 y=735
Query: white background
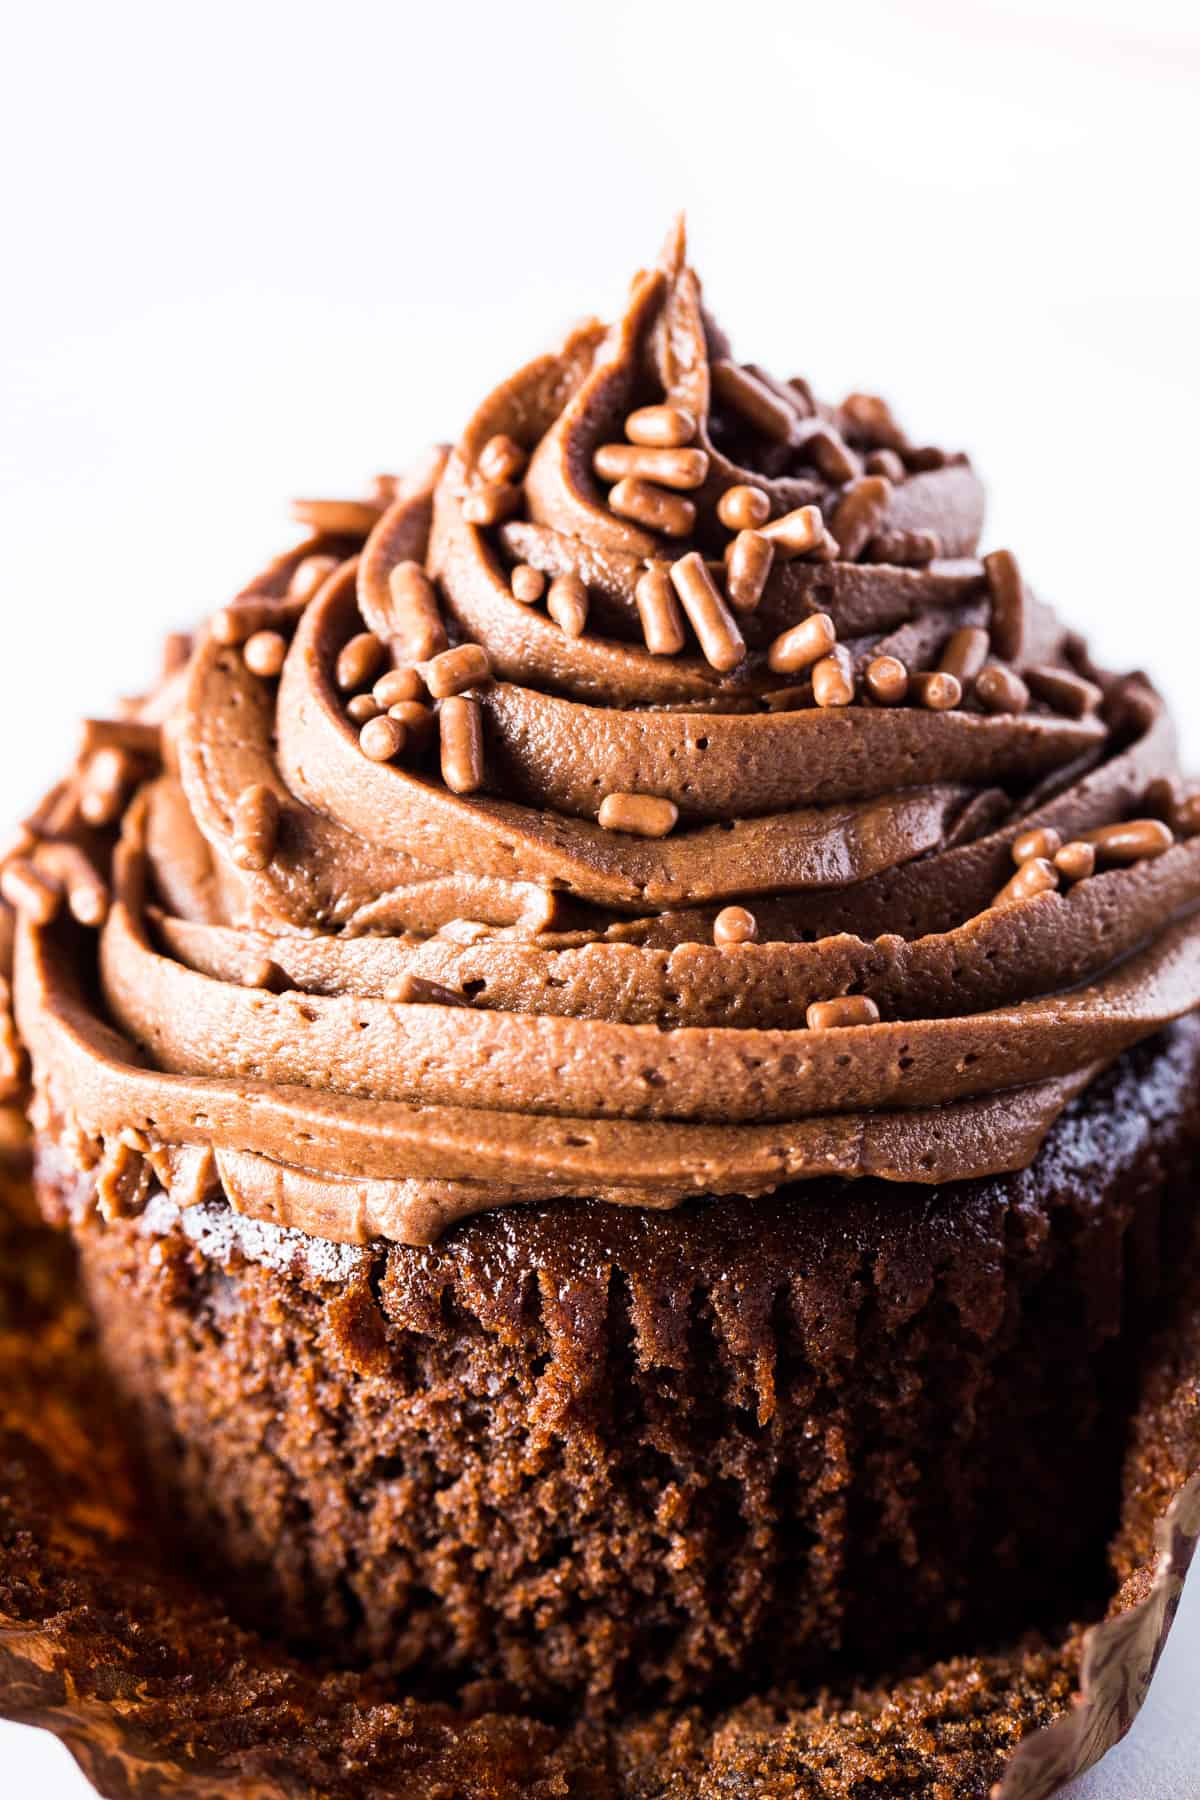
x=257 y=250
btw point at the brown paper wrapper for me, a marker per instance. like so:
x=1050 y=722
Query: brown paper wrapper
x=1119 y=1657
x=106 y=1642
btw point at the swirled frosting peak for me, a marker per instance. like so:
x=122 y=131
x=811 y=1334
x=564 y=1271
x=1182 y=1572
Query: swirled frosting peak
x=655 y=795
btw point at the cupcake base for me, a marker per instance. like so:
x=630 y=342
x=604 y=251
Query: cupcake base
x=594 y=1459
x=109 y=1640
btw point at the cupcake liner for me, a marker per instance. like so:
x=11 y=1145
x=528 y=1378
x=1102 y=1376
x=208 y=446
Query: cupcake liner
x=1117 y=1665
x=153 y=1689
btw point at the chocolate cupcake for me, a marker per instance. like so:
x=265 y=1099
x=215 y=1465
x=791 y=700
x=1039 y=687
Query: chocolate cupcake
x=632 y=1105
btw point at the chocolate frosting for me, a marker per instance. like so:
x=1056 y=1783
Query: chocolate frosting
x=428 y=1002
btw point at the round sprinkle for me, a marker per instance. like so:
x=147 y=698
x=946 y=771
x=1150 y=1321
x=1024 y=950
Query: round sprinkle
x=832 y=1015
x=255 y=827
x=658 y=609
x=964 y=654
x=382 y=738
x=1006 y=590
x=1161 y=798
x=682 y=469
x=358 y=661
x=88 y=903
x=641 y=815
x=936 y=690
x=734 y=925
x=417 y=720
x=460 y=723
x=796 y=533
x=747 y=566
x=1131 y=841
x=1075 y=861
x=711 y=620
x=265 y=653
x=1001 y=690
x=338 y=518
x=501 y=459
x=416 y=990
x=454 y=671
x=261 y=972
x=397 y=685
x=309 y=573
x=363 y=707
x=490 y=503
x=802 y=645
x=831 y=454
x=660 y=427
x=833 y=678
x=107 y=777
x=743 y=508
x=1187 y=816
x=65 y=866
x=415 y=626
x=653 y=507
x=1041 y=840
x=567 y=604
x=1065 y=692
x=870 y=416
x=886 y=680
x=1037 y=876
x=886 y=462
x=860 y=513
x=30 y=892
x=528 y=585
x=759 y=405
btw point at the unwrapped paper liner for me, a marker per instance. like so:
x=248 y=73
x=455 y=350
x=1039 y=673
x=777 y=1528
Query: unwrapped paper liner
x=1117 y=1666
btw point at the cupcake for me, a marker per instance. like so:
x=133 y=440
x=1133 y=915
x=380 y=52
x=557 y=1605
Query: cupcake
x=613 y=1041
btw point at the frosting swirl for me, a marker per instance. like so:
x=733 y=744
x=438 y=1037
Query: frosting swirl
x=370 y=998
